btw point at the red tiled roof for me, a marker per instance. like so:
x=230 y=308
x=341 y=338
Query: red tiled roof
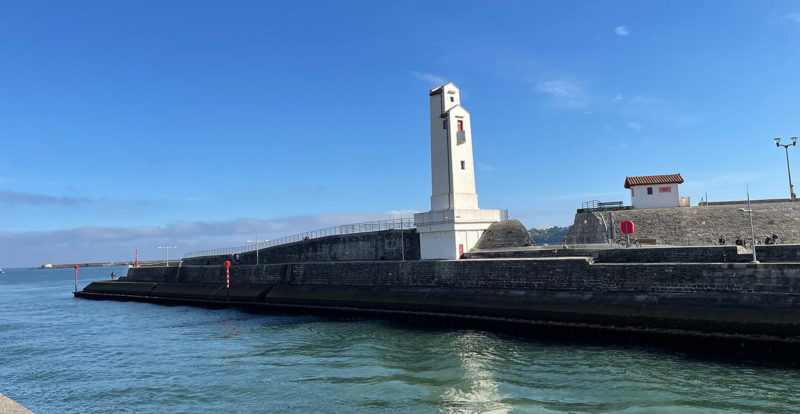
x=653 y=180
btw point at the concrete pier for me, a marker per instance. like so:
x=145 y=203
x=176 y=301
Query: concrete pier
x=702 y=301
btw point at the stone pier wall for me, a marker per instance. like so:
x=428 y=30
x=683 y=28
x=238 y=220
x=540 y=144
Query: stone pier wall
x=691 y=226
x=559 y=274
x=668 y=254
x=377 y=245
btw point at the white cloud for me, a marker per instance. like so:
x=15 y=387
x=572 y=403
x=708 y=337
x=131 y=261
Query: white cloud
x=793 y=16
x=564 y=93
x=622 y=31
x=434 y=80
x=98 y=243
x=484 y=167
x=635 y=126
x=13 y=198
x=656 y=111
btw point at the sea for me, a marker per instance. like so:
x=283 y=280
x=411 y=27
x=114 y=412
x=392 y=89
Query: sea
x=60 y=354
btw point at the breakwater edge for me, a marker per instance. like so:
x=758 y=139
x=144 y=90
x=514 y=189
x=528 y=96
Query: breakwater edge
x=703 y=300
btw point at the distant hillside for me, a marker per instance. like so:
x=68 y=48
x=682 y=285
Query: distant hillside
x=551 y=236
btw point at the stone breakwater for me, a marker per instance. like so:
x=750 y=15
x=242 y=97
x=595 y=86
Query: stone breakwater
x=667 y=254
x=9 y=406
x=378 y=245
x=734 y=310
x=690 y=226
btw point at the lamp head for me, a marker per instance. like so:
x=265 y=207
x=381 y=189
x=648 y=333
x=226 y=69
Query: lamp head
x=794 y=140
x=777 y=142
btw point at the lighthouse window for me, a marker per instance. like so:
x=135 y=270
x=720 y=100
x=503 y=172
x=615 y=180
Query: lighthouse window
x=463 y=166
x=444 y=124
x=452 y=99
x=460 y=125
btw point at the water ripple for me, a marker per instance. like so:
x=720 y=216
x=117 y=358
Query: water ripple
x=64 y=355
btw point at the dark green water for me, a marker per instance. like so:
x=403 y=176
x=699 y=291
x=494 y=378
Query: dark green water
x=60 y=354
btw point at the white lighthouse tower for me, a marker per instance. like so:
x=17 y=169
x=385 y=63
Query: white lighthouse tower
x=455 y=223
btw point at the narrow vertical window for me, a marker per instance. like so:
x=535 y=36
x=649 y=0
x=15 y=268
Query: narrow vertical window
x=460 y=125
x=444 y=124
x=452 y=99
x=463 y=165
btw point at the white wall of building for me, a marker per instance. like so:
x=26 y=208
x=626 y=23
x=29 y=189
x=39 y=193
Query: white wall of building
x=452 y=167
x=663 y=195
x=447 y=244
x=442 y=231
x=440 y=152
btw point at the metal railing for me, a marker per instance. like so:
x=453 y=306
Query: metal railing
x=504 y=214
x=391 y=224
x=589 y=204
x=597 y=205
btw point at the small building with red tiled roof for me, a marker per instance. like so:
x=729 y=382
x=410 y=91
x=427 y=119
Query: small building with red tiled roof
x=655 y=191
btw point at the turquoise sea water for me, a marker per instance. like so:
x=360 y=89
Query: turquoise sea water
x=59 y=354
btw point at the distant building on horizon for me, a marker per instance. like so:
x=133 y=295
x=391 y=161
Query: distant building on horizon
x=656 y=191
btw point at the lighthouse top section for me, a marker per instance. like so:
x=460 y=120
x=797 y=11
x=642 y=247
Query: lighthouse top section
x=452 y=168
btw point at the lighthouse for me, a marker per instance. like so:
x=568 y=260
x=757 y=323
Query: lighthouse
x=455 y=223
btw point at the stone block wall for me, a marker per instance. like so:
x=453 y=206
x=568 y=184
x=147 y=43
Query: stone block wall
x=570 y=274
x=378 y=245
x=692 y=226
x=153 y=273
x=693 y=254
x=505 y=233
x=778 y=253
x=590 y=228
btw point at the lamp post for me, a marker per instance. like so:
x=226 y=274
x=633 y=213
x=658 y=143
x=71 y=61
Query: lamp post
x=167 y=252
x=792 y=195
x=250 y=241
x=749 y=209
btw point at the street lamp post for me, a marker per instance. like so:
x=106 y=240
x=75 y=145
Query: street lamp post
x=257 y=247
x=749 y=209
x=166 y=248
x=792 y=195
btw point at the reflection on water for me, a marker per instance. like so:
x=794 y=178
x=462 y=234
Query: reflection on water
x=477 y=390
x=60 y=355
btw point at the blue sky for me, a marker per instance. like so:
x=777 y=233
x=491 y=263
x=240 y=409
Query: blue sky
x=200 y=124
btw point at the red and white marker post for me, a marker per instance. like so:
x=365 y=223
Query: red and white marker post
x=136 y=261
x=227 y=278
x=76 y=278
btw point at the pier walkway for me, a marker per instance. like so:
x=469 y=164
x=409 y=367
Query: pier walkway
x=9 y=406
